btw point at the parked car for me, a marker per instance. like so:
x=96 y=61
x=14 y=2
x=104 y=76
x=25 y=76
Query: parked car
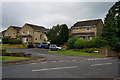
x=40 y=45
x=46 y=45
x=54 y=47
x=30 y=46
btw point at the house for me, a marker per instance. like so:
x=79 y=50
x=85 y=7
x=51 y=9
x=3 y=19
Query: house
x=2 y=35
x=12 y=31
x=87 y=29
x=32 y=34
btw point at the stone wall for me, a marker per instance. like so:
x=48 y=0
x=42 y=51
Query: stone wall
x=108 y=52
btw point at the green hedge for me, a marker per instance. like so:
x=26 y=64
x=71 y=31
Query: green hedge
x=79 y=43
x=11 y=41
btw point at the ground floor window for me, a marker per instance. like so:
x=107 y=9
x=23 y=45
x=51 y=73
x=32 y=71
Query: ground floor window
x=86 y=37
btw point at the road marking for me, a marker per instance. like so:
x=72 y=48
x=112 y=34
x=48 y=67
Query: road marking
x=101 y=64
x=53 y=61
x=98 y=59
x=89 y=59
x=60 y=61
x=54 y=68
x=92 y=59
x=73 y=60
x=43 y=62
x=67 y=60
x=33 y=63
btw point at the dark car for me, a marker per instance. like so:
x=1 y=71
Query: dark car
x=40 y=45
x=54 y=47
x=46 y=45
x=30 y=46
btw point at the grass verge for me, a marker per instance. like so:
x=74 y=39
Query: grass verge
x=14 y=46
x=77 y=53
x=11 y=58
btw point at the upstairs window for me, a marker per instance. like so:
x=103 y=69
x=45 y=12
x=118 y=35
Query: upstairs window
x=29 y=31
x=13 y=33
x=88 y=28
x=40 y=36
x=7 y=34
x=23 y=32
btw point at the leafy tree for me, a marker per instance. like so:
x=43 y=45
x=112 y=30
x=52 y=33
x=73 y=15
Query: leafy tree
x=64 y=34
x=111 y=29
x=58 y=34
x=71 y=42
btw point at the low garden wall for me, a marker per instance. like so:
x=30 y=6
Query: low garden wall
x=108 y=52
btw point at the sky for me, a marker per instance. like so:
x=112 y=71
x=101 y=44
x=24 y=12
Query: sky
x=49 y=14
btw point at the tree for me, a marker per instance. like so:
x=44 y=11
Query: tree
x=111 y=29
x=58 y=34
x=64 y=34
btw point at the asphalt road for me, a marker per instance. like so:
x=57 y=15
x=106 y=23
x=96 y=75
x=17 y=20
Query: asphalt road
x=62 y=66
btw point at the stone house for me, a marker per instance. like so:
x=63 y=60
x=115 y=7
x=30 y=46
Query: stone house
x=12 y=31
x=2 y=35
x=87 y=29
x=32 y=34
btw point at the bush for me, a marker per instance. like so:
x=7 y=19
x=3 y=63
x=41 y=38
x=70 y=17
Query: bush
x=99 y=42
x=17 y=41
x=79 y=43
x=71 y=42
x=5 y=40
x=11 y=41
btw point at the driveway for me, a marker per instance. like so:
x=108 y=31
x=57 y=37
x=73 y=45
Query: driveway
x=63 y=66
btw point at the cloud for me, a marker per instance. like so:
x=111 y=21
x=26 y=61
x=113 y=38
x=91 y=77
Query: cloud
x=49 y=14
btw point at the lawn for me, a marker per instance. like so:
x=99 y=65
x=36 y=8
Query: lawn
x=14 y=46
x=11 y=58
x=76 y=53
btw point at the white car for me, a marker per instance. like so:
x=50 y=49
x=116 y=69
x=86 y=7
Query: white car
x=54 y=47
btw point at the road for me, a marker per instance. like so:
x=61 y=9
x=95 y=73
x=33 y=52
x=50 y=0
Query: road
x=62 y=66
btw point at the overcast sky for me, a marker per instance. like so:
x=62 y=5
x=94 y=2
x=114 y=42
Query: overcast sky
x=48 y=14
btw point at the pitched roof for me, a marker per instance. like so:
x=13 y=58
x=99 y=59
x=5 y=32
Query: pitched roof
x=87 y=23
x=36 y=27
x=3 y=31
x=16 y=28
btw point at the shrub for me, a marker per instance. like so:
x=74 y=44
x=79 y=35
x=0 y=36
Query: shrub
x=86 y=44
x=17 y=41
x=5 y=40
x=71 y=42
x=99 y=42
x=79 y=43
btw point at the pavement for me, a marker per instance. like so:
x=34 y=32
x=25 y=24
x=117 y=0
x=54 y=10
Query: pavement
x=62 y=66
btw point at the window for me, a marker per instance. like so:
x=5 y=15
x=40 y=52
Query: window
x=40 y=36
x=7 y=34
x=13 y=33
x=29 y=31
x=86 y=37
x=88 y=28
x=23 y=32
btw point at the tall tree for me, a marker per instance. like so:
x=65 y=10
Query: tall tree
x=64 y=33
x=111 y=29
x=58 y=34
